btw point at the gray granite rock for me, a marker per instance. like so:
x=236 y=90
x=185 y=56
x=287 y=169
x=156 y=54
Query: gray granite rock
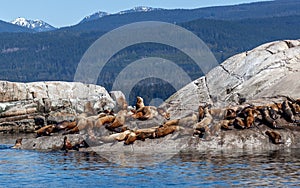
x=23 y=103
x=270 y=70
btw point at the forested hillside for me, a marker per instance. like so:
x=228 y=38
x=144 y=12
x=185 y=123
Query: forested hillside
x=55 y=55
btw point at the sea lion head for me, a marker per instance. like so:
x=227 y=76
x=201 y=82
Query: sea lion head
x=18 y=143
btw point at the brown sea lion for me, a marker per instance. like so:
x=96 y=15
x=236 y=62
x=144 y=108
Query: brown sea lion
x=287 y=111
x=45 y=131
x=206 y=121
x=298 y=101
x=132 y=137
x=164 y=113
x=119 y=120
x=139 y=102
x=188 y=121
x=165 y=130
x=230 y=114
x=67 y=144
x=18 y=144
x=267 y=119
x=250 y=115
x=104 y=120
x=65 y=125
x=239 y=123
x=122 y=136
x=225 y=124
x=147 y=112
x=274 y=136
x=83 y=123
x=171 y=122
x=200 y=113
x=295 y=108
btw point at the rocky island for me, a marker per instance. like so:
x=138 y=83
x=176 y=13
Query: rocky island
x=250 y=101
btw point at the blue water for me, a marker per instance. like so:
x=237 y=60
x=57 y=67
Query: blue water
x=20 y=168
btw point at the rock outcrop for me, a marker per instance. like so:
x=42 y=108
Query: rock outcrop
x=268 y=71
x=249 y=83
x=25 y=107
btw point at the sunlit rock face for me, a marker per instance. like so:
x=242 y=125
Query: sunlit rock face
x=268 y=71
x=26 y=106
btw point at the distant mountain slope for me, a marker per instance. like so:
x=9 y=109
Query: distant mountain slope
x=36 y=25
x=8 y=27
x=277 y=8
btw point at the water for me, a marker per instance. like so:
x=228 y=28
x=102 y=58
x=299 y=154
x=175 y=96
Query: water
x=20 y=168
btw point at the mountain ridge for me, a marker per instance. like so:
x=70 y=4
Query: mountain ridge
x=230 y=12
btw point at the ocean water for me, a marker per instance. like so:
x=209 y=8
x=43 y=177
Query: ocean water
x=280 y=168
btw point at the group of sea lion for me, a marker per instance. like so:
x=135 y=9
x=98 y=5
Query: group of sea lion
x=275 y=116
x=204 y=123
x=115 y=123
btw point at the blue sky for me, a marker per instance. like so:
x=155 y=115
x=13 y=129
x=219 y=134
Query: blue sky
x=61 y=13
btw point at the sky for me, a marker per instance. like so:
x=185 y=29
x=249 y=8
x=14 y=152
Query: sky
x=60 y=13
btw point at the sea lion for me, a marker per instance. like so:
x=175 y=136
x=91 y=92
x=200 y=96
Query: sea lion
x=202 y=128
x=188 y=121
x=200 y=113
x=131 y=138
x=250 y=115
x=67 y=144
x=295 y=108
x=119 y=120
x=171 y=122
x=122 y=136
x=298 y=101
x=164 y=113
x=267 y=119
x=206 y=121
x=65 y=125
x=115 y=137
x=165 y=130
x=230 y=114
x=45 y=131
x=225 y=124
x=18 y=143
x=239 y=123
x=139 y=102
x=274 y=136
x=148 y=112
x=104 y=120
x=83 y=123
x=273 y=112
x=287 y=111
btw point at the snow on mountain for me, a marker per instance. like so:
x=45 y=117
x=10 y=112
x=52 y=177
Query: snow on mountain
x=36 y=25
x=95 y=16
x=139 y=9
x=101 y=14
